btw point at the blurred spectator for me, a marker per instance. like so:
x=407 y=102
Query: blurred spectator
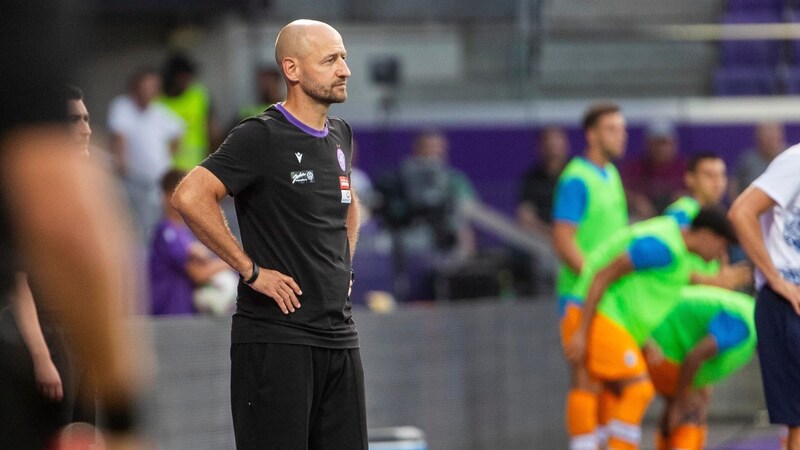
x=769 y=143
x=435 y=193
x=189 y=100
x=422 y=202
x=179 y=263
x=269 y=90
x=535 y=208
x=144 y=135
x=653 y=180
x=362 y=185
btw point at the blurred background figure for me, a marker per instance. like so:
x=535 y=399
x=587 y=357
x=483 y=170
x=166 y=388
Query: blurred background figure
x=653 y=179
x=190 y=100
x=78 y=119
x=770 y=141
x=269 y=90
x=535 y=209
x=144 y=136
x=422 y=202
x=180 y=266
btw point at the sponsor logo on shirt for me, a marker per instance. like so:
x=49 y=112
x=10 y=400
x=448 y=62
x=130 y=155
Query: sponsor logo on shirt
x=340 y=158
x=344 y=183
x=346 y=196
x=299 y=157
x=302 y=176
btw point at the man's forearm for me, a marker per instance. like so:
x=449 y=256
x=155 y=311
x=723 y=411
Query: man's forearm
x=27 y=318
x=748 y=229
x=353 y=223
x=201 y=211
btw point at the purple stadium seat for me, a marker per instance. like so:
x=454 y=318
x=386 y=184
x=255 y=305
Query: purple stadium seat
x=750 y=5
x=736 y=81
x=763 y=53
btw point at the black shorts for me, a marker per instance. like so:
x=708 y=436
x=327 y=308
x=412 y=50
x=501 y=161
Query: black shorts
x=297 y=397
x=778 y=328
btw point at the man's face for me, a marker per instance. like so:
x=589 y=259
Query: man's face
x=324 y=71
x=709 y=181
x=770 y=139
x=710 y=246
x=149 y=88
x=554 y=147
x=78 y=121
x=610 y=134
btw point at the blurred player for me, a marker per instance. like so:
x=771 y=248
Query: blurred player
x=628 y=285
x=589 y=206
x=709 y=335
x=706 y=180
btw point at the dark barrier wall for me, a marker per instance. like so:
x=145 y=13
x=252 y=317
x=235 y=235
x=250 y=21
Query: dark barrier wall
x=478 y=375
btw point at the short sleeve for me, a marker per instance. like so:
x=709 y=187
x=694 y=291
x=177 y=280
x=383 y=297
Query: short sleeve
x=780 y=181
x=117 y=118
x=649 y=252
x=729 y=330
x=570 y=201
x=233 y=162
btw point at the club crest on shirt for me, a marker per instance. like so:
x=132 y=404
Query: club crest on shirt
x=302 y=176
x=340 y=158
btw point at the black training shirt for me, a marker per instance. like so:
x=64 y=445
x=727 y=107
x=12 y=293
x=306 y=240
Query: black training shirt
x=291 y=187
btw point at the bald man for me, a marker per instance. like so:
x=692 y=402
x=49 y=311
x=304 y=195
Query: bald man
x=296 y=375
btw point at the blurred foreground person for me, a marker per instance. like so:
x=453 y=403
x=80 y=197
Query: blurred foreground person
x=60 y=227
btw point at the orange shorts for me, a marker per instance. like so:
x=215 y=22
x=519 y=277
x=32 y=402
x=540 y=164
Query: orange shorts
x=665 y=376
x=612 y=353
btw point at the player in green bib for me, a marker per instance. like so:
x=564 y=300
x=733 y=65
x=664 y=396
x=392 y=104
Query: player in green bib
x=191 y=102
x=589 y=206
x=707 y=182
x=628 y=285
x=709 y=335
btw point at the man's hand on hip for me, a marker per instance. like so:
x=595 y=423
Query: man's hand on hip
x=281 y=288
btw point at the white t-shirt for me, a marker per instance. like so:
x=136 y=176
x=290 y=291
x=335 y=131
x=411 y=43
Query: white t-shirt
x=147 y=136
x=781 y=225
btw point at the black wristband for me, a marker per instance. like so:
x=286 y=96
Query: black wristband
x=254 y=276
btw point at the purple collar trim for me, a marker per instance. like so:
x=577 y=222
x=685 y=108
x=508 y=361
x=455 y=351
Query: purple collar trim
x=296 y=122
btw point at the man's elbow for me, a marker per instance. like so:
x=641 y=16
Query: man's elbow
x=181 y=199
x=737 y=213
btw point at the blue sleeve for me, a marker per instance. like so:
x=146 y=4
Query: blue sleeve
x=683 y=219
x=570 y=201
x=649 y=252
x=729 y=330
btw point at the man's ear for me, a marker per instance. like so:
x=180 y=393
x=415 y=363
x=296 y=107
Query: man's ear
x=291 y=68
